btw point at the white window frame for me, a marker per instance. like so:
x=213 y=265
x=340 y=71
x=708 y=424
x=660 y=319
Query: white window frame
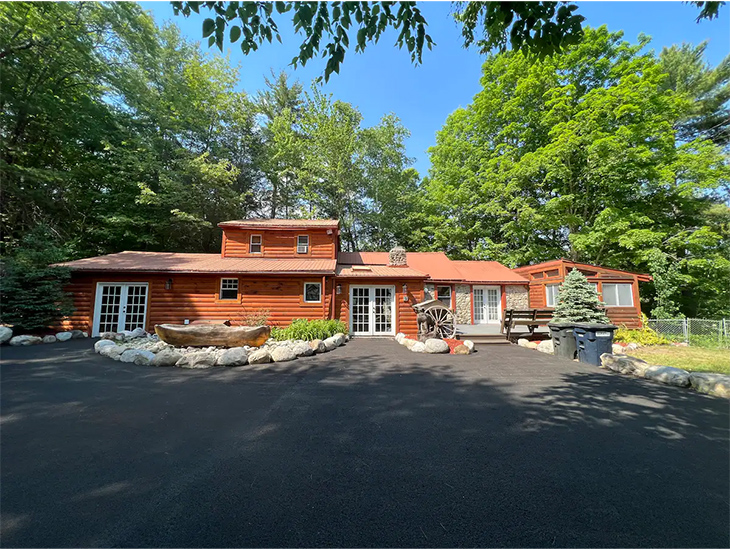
x=548 y=294
x=616 y=294
x=451 y=294
x=121 y=319
x=260 y=244
x=220 y=290
x=304 y=293
x=302 y=248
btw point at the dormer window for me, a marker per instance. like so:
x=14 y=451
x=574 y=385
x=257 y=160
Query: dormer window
x=303 y=244
x=255 y=244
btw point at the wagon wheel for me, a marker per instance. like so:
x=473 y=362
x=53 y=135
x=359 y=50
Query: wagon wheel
x=443 y=322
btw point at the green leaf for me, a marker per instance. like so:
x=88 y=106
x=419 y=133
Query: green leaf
x=208 y=27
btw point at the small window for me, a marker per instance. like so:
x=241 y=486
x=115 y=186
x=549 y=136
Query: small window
x=229 y=289
x=444 y=295
x=255 y=247
x=312 y=292
x=303 y=244
x=551 y=295
x=618 y=294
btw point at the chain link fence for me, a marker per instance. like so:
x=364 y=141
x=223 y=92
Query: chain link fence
x=708 y=333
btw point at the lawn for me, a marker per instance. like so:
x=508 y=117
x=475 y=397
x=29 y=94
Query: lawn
x=689 y=358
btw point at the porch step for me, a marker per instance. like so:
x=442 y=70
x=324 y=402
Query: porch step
x=496 y=339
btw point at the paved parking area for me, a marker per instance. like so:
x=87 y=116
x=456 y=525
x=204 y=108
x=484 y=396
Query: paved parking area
x=369 y=445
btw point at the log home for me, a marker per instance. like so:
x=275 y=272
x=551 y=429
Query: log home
x=289 y=269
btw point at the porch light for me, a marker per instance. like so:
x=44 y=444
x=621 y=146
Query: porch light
x=405 y=288
x=339 y=289
x=168 y=284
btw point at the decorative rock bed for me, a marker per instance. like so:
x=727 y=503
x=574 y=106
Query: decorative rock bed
x=703 y=382
x=435 y=345
x=6 y=335
x=141 y=348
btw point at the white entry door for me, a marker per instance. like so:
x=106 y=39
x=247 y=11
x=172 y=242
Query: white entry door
x=487 y=305
x=372 y=310
x=119 y=307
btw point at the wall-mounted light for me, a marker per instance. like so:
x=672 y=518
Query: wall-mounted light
x=168 y=284
x=405 y=292
x=339 y=289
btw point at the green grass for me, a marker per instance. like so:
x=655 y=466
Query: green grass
x=690 y=358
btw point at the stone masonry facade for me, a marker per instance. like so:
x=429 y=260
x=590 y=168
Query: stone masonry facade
x=517 y=297
x=463 y=304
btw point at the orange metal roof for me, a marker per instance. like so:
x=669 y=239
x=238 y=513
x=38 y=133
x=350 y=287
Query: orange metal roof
x=530 y=268
x=198 y=263
x=275 y=223
x=379 y=271
x=436 y=264
x=476 y=271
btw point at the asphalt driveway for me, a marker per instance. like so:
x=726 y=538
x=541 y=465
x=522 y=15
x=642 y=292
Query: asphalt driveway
x=369 y=445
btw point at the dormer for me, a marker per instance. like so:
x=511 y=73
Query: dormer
x=275 y=238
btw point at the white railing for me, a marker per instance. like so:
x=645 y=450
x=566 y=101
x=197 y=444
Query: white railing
x=697 y=332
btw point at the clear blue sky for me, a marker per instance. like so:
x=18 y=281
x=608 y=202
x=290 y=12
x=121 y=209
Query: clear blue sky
x=382 y=79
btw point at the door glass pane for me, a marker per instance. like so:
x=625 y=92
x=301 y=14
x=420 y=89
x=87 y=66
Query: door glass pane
x=361 y=310
x=479 y=305
x=493 y=304
x=136 y=305
x=111 y=297
x=383 y=309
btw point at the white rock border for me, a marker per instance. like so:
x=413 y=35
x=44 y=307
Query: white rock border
x=434 y=345
x=32 y=340
x=703 y=382
x=142 y=348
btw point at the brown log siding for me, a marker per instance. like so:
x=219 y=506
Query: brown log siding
x=278 y=244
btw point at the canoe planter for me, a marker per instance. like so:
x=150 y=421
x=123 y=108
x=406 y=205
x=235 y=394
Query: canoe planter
x=212 y=335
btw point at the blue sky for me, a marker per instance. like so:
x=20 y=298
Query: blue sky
x=382 y=79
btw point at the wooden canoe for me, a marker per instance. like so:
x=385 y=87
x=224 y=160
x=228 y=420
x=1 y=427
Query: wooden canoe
x=212 y=335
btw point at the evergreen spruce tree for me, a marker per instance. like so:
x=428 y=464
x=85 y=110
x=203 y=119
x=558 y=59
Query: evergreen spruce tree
x=578 y=302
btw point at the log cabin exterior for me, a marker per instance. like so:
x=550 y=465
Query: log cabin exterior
x=293 y=269
x=618 y=289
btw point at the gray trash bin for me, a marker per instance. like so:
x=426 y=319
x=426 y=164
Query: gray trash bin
x=563 y=339
x=593 y=340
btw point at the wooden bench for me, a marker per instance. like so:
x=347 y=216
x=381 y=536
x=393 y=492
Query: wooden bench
x=532 y=318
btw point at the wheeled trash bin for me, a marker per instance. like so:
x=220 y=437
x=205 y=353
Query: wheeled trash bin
x=563 y=339
x=592 y=340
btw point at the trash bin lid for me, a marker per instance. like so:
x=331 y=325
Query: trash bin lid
x=595 y=326
x=561 y=325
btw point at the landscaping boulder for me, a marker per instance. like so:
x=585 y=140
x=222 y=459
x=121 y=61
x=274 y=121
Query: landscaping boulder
x=77 y=334
x=469 y=344
x=63 y=336
x=631 y=346
x=157 y=347
x=399 y=337
x=129 y=355
x=435 y=345
x=138 y=333
x=408 y=342
x=418 y=347
x=617 y=349
x=624 y=364
x=50 y=339
x=166 y=358
x=259 y=356
x=144 y=357
x=281 y=354
x=233 y=357
x=6 y=333
x=461 y=349
x=522 y=342
x=545 y=346
x=341 y=338
x=196 y=360
x=25 y=340
x=112 y=352
x=101 y=344
x=712 y=383
x=668 y=375
x=317 y=346
x=302 y=349
x=333 y=341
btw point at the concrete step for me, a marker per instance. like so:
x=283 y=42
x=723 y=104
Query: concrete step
x=496 y=339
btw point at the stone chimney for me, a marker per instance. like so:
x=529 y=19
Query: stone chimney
x=397 y=257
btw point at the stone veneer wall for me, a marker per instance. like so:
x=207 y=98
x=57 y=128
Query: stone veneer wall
x=517 y=297
x=463 y=304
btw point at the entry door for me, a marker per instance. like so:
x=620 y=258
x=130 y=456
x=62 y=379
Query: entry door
x=372 y=310
x=487 y=302
x=119 y=307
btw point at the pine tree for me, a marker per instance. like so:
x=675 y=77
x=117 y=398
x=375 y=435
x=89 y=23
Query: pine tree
x=578 y=302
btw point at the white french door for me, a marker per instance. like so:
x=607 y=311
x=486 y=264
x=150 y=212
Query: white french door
x=487 y=305
x=372 y=310
x=119 y=307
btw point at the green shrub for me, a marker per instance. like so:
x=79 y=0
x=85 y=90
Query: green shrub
x=644 y=336
x=304 y=329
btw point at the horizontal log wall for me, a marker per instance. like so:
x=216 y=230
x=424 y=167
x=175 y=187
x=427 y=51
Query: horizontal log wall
x=278 y=244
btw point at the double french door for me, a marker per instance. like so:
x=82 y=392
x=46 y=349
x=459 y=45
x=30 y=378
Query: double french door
x=119 y=307
x=372 y=310
x=487 y=304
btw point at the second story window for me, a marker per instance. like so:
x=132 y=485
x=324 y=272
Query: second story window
x=303 y=244
x=255 y=246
